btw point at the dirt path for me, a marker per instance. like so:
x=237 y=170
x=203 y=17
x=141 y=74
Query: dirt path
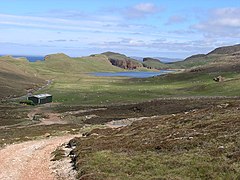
x=29 y=160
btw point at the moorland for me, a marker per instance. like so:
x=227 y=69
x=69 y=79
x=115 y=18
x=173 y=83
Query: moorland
x=181 y=125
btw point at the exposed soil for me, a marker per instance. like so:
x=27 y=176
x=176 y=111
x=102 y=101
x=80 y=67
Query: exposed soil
x=29 y=160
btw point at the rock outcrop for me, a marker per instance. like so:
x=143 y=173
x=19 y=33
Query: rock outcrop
x=122 y=61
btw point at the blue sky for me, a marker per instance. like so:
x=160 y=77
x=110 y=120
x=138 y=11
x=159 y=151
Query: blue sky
x=173 y=28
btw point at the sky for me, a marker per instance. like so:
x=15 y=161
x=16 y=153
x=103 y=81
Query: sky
x=155 y=28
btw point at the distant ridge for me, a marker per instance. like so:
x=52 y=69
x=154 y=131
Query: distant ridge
x=221 y=59
x=162 y=59
x=226 y=50
x=152 y=63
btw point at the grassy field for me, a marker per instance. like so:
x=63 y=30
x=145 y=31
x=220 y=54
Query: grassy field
x=73 y=85
x=84 y=89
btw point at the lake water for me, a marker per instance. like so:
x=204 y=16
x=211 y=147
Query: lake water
x=132 y=74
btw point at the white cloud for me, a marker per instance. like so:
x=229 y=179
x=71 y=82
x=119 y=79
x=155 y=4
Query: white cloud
x=121 y=42
x=227 y=12
x=142 y=10
x=66 y=24
x=187 y=47
x=175 y=19
x=146 y=8
x=221 y=23
x=227 y=22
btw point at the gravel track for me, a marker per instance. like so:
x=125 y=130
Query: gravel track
x=30 y=160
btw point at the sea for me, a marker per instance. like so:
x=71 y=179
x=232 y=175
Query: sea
x=29 y=58
x=32 y=58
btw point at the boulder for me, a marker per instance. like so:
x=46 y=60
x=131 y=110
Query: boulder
x=218 y=79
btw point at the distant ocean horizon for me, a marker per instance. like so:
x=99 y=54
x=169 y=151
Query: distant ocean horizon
x=32 y=58
x=29 y=58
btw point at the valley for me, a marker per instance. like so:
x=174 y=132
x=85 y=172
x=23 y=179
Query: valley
x=180 y=125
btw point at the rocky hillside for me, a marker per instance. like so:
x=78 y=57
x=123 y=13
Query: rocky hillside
x=122 y=61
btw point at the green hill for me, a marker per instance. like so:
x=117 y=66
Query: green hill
x=193 y=61
x=229 y=50
x=152 y=63
x=223 y=58
x=16 y=76
x=63 y=63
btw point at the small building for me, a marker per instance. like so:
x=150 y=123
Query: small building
x=41 y=98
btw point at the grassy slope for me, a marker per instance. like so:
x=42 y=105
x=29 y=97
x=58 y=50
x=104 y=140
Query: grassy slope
x=60 y=63
x=190 y=62
x=222 y=55
x=155 y=64
x=194 y=61
x=16 y=77
x=201 y=143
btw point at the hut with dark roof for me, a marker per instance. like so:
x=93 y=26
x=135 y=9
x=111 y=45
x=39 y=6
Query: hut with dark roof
x=41 y=98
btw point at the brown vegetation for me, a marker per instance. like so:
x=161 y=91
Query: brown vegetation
x=201 y=142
